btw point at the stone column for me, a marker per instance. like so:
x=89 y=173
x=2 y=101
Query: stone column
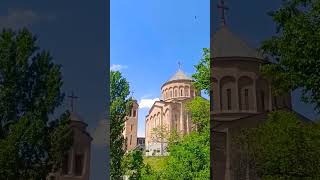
x=161 y=125
x=254 y=95
x=181 y=119
x=236 y=96
x=219 y=108
x=270 y=97
x=228 y=165
x=71 y=160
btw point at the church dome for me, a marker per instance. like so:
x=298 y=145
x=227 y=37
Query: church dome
x=77 y=121
x=227 y=44
x=75 y=117
x=179 y=75
x=179 y=86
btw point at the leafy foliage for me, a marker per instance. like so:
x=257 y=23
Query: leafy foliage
x=200 y=112
x=189 y=158
x=202 y=75
x=295 y=49
x=132 y=164
x=30 y=86
x=119 y=108
x=283 y=148
x=190 y=155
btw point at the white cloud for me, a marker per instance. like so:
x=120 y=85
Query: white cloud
x=146 y=96
x=17 y=18
x=117 y=67
x=147 y=103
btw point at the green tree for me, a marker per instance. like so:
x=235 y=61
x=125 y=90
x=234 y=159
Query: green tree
x=199 y=109
x=295 y=50
x=119 y=108
x=148 y=173
x=190 y=155
x=189 y=158
x=30 y=90
x=133 y=164
x=282 y=148
x=202 y=75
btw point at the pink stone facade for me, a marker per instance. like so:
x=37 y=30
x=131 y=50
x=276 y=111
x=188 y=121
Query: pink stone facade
x=169 y=113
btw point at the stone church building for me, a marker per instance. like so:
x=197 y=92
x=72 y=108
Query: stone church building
x=169 y=113
x=76 y=163
x=240 y=98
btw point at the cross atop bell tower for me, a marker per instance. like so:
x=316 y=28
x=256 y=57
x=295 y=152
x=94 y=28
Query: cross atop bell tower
x=223 y=8
x=72 y=99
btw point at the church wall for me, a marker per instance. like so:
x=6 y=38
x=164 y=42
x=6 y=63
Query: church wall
x=228 y=90
x=76 y=164
x=177 y=89
x=246 y=93
x=170 y=111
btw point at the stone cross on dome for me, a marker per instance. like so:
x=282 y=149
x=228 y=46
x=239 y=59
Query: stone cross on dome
x=72 y=99
x=179 y=65
x=223 y=8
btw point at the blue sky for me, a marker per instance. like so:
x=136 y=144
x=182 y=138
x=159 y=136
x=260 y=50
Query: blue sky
x=148 y=38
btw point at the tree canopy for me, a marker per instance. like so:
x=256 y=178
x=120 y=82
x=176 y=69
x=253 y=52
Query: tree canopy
x=120 y=104
x=30 y=91
x=282 y=148
x=202 y=74
x=295 y=50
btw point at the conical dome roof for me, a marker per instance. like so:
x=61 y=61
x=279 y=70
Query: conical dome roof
x=75 y=117
x=226 y=44
x=179 y=75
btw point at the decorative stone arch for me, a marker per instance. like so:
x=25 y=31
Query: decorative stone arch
x=228 y=98
x=187 y=91
x=158 y=119
x=167 y=93
x=151 y=123
x=263 y=94
x=166 y=116
x=170 y=92
x=175 y=91
x=246 y=93
x=181 y=91
x=192 y=92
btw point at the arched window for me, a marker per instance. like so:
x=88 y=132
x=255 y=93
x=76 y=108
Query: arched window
x=130 y=139
x=262 y=96
x=186 y=92
x=175 y=93
x=246 y=94
x=65 y=164
x=246 y=99
x=170 y=94
x=181 y=92
x=229 y=99
x=79 y=162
